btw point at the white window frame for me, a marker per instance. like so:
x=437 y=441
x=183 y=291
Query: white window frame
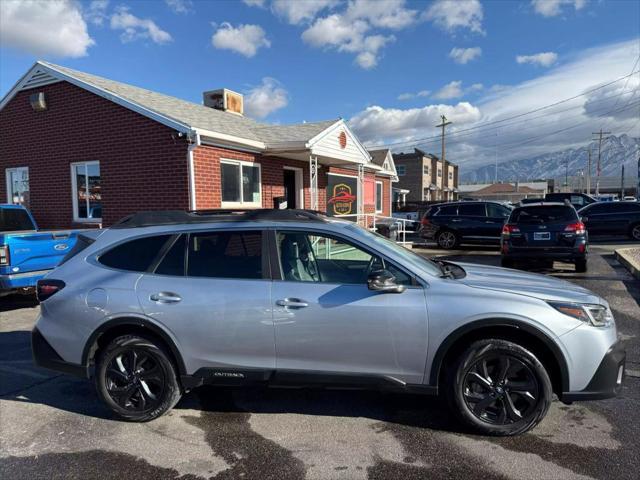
x=401 y=168
x=74 y=191
x=241 y=203
x=381 y=196
x=425 y=169
x=9 y=184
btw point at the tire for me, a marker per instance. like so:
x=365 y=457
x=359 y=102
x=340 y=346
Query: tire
x=581 y=265
x=634 y=231
x=493 y=407
x=136 y=378
x=447 y=239
x=507 y=262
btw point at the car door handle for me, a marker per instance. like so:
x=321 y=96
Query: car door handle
x=456 y=220
x=292 y=303
x=165 y=297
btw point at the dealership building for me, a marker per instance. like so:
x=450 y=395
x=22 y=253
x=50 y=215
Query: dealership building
x=81 y=150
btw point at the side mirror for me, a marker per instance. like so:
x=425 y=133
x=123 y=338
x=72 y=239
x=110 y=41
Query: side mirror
x=384 y=281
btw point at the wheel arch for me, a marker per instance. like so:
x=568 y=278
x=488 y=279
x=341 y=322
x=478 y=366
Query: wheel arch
x=539 y=342
x=129 y=325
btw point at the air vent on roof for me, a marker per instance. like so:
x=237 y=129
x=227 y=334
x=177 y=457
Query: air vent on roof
x=225 y=100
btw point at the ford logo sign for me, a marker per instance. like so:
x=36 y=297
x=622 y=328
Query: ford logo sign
x=61 y=246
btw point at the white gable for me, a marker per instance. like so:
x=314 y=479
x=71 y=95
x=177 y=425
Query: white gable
x=338 y=142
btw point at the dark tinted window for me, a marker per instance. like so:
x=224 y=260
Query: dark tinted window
x=498 y=211
x=14 y=220
x=225 y=255
x=135 y=255
x=447 y=210
x=81 y=243
x=543 y=214
x=594 y=209
x=173 y=261
x=623 y=207
x=472 y=209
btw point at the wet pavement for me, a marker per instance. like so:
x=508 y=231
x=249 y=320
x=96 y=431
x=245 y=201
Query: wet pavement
x=53 y=426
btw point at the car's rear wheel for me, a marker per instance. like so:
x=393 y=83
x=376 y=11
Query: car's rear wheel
x=497 y=387
x=507 y=262
x=136 y=378
x=581 y=265
x=447 y=239
x=634 y=231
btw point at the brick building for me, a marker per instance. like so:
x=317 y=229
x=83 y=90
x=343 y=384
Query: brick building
x=79 y=149
x=426 y=177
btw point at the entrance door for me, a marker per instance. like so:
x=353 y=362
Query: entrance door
x=290 y=190
x=327 y=321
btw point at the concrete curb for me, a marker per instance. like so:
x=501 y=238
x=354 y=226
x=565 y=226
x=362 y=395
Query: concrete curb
x=625 y=257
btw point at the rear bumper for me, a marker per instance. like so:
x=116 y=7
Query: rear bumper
x=608 y=379
x=556 y=253
x=45 y=356
x=21 y=280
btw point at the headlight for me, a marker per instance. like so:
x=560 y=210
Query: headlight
x=596 y=315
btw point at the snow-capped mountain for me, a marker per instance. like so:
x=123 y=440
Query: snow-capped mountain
x=615 y=152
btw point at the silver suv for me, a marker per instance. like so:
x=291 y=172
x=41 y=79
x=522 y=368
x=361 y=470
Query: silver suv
x=164 y=302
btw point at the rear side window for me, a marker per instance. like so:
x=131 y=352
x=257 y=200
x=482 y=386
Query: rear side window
x=472 y=209
x=447 y=210
x=81 y=243
x=15 y=220
x=225 y=255
x=174 y=260
x=136 y=255
x=543 y=214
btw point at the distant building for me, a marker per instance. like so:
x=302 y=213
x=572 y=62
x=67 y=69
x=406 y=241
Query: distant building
x=426 y=177
x=505 y=192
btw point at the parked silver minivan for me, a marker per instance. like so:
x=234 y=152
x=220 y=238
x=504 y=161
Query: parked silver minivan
x=164 y=302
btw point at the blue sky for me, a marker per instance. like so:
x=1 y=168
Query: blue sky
x=390 y=67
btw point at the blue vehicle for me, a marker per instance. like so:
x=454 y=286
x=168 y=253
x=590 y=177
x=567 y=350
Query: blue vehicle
x=26 y=253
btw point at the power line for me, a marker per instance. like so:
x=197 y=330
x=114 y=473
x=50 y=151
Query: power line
x=494 y=122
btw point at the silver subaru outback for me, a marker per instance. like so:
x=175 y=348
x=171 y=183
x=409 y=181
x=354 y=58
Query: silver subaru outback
x=164 y=302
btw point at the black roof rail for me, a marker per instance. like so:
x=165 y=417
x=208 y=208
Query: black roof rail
x=176 y=217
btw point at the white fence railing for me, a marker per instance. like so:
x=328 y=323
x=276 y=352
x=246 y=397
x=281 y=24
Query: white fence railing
x=372 y=221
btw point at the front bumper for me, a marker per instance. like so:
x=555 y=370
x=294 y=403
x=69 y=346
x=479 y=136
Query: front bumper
x=608 y=379
x=45 y=356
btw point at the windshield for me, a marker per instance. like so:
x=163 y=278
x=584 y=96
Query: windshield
x=14 y=220
x=543 y=214
x=414 y=259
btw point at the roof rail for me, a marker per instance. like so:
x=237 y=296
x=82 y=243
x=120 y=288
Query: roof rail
x=176 y=217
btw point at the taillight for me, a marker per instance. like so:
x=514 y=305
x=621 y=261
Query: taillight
x=46 y=288
x=425 y=221
x=508 y=229
x=5 y=259
x=577 y=228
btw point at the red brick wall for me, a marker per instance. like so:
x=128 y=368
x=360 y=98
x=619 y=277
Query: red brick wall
x=142 y=165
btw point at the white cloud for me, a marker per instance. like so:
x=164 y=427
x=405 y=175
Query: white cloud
x=451 y=15
x=567 y=125
x=265 y=99
x=543 y=59
x=357 y=29
x=180 y=6
x=409 y=96
x=135 y=28
x=454 y=89
x=552 y=8
x=254 y=3
x=464 y=55
x=44 y=28
x=97 y=12
x=243 y=39
x=299 y=11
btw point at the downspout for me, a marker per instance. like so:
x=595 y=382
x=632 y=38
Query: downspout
x=194 y=141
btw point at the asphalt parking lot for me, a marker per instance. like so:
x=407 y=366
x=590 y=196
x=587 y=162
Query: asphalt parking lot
x=53 y=426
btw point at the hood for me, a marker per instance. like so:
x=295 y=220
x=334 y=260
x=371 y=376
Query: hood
x=534 y=285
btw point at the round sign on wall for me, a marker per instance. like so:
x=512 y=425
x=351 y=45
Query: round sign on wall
x=342 y=138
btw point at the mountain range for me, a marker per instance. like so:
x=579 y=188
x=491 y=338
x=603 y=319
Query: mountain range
x=615 y=152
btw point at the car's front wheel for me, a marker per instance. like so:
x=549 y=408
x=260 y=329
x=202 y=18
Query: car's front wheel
x=634 y=231
x=136 y=378
x=497 y=387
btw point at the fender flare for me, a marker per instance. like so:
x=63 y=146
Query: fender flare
x=443 y=349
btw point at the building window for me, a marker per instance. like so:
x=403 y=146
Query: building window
x=87 y=197
x=400 y=170
x=378 y=197
x=439 y=172
x=426 y=193
x=425 y=169
x=18 y=186
x=240 y=184
x=450 y=175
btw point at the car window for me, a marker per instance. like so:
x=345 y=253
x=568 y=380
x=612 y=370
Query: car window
x=447 y=210
x=135 y=255
x=318 y=258
x=628 y=207
x=577 y=200
x=543 y=214
x=14 y=220
x=233 y=254
x=472 y=209
x=174 y=260
x=595 y=209
x=498 y=211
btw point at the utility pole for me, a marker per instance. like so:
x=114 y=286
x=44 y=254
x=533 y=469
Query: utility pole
x=600 y=134
x=566 y=175
x=622 y=184
x=589 y=172
x=443 y=125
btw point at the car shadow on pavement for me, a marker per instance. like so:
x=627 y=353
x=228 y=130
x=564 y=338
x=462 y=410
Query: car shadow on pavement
x=14 y=302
